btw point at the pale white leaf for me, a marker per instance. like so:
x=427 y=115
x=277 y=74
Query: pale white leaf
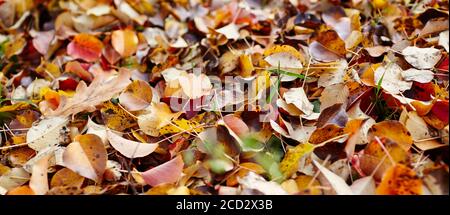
x=392 y=81
x=230 y=31
x=284 y=60
x=39 y=179
x=14 y=178
x=333 y=76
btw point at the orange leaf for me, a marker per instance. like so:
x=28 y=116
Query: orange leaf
x=331 y=41
x=124 y=42
x=22 y=190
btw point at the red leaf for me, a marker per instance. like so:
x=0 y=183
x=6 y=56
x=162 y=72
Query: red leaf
x=86 y=47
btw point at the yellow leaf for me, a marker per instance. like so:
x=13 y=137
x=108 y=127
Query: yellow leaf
x=284 y=48
x=48 y=70
x=246 y=64
x=289 y=164
x=14 y=107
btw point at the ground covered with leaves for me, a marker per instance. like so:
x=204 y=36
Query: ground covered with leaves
x=224 y=97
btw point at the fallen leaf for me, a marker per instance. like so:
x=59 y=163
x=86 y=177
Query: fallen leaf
x=400 y=180
x=168 y=172
x=116 y=117
x=86 y=156
x=289 y=164
x=157 y=115
x=124 y=42
x=39 y=178
x=331 y=41
x=297 y=97
x=336 y=182
x=129 y=148
x=22 y=190
x=48 y=132
x=86 y=47
x=14 y=178
x=421 y=76
x=364 y=186
x=390 y=79
x=101 y=89
x=394 y=131
x=422 y=58
x=66 y=177
x=443 y=40
x=230 y=31
x=253 y=181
